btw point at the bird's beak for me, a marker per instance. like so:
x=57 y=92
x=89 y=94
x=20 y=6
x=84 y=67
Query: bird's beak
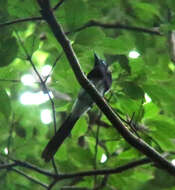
x=97 y=59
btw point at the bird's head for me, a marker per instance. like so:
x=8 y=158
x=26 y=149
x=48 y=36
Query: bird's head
x=99 y=61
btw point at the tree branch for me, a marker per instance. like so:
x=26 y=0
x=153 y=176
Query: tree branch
x=116 y=170
x=58 y=4
x=136 y=142
x=10 y=80
x=29 y=19
x=100 y=172
x=24 y=165
x=7 y=166
x=106 y=171
x=11 y=166
x=30 y=178
x=45 y=90
x=32 y=167
x=20 y=20
x=103 y=183
x=59 y=177
x=93 y=23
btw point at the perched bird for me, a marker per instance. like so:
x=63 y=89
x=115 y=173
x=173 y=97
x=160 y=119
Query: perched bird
x=101 y=78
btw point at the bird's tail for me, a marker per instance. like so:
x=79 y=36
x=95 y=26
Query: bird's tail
x=58 y=138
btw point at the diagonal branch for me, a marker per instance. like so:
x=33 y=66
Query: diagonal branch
x=133 y=140
x=45 y=90
x=32 y=167
x=58 y=4
x=24 y=164
x=11 y=166
x=30 y=178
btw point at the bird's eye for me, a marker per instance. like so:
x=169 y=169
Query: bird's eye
x=103 y=62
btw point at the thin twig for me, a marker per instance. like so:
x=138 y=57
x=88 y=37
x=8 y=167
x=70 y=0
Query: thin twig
x=119 y=26
x=58 y=4
x=52 y=184
x=20 y=20
x=96 y=152
x=45 y=89
x=54 y=166
x=28 y=166
x=10 y=136
x=32 y=167
x=107 y=171
x=53 y=109
x=9 y=80
x=108 y=140
x=74 y=188
x=102 y=123
x=103 y=183
x=96 y=146
x=53 y=66
x=132 y=124
x=30 y=178
x=36 y=18
x=11 y=166
x=97 y=142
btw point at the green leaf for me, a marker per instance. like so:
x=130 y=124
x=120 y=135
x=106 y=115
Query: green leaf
x=20 y=131
x=145 y=11
x=162 y=124
x=157 y=93
x=75 y=13
x=92 y=144
x=124 y=63
x=150 y=110
x=147 y=8
x=32 y=44
x=162 y=96
x=132 y=90
x=90 y=37
x=81 y=157
x=112 y=146
x=127 y=105
x=117 y=45
x=8 y=51
x=62 y=108
x=23 y=8
x=5 y=104
x=80 y=128
x=165 y=143
x=163 y=131
x=128 y=154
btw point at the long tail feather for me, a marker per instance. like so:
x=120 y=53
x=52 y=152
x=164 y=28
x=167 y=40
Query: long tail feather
x=58 y=138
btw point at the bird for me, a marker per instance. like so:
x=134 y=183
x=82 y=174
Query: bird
x=100 y=76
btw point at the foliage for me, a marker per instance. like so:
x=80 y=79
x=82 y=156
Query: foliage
x=134 y=79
